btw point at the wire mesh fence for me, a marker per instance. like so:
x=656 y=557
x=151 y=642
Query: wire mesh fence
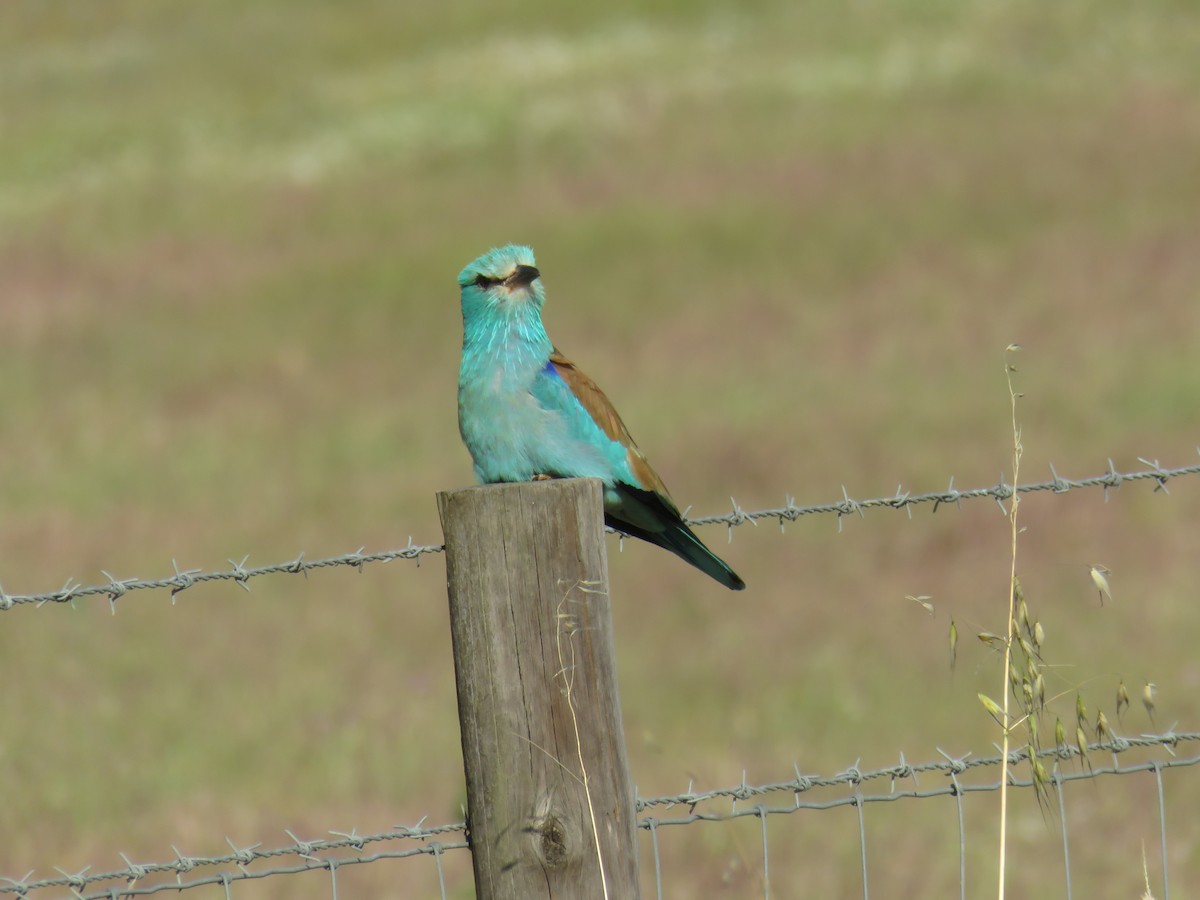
x=956 y=777
x=1154 y=757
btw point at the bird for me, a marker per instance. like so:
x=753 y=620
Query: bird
x=526 y=412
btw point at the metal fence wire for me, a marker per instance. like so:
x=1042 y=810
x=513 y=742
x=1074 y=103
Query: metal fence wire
x=241 y=574
x=1150 y=755
x=950 y=776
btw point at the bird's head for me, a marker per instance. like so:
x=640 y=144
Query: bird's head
x=502 y=279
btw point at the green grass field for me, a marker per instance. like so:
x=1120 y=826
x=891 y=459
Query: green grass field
x=790 y=240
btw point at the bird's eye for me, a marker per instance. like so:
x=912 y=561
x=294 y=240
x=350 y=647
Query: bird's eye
x=483 y=281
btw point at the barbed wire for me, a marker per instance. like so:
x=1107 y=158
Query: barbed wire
x=302 y=854
x=241 y=574
x=952 y=767
x=906 y=500
x=855 y=778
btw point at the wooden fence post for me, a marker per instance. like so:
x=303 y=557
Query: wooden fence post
x=549 y=798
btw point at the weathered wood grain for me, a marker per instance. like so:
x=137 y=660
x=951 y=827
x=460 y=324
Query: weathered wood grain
x=533 y=653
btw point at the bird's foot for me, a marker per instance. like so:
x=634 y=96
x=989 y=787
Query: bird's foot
x=541 y=476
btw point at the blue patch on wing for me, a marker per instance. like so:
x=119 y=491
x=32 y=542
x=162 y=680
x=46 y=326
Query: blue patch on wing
x=581 y=448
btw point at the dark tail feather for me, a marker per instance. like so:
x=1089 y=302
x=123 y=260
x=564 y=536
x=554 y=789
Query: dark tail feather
x=677 y=538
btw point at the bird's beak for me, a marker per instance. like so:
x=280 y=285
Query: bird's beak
x=522 y=276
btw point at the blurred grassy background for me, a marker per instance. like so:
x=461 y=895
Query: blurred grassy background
x=791 y=240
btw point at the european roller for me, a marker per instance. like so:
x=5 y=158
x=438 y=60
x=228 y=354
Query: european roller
x=527 y=412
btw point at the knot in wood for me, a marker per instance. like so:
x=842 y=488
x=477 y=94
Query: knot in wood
x=552 y=842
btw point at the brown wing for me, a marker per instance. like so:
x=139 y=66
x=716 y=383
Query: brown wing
x=601 y=410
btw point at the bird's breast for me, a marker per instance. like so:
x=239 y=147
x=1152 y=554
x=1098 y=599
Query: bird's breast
x=501 y=422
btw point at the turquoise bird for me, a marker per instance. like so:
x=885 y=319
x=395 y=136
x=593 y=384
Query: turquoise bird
x=527 y=412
